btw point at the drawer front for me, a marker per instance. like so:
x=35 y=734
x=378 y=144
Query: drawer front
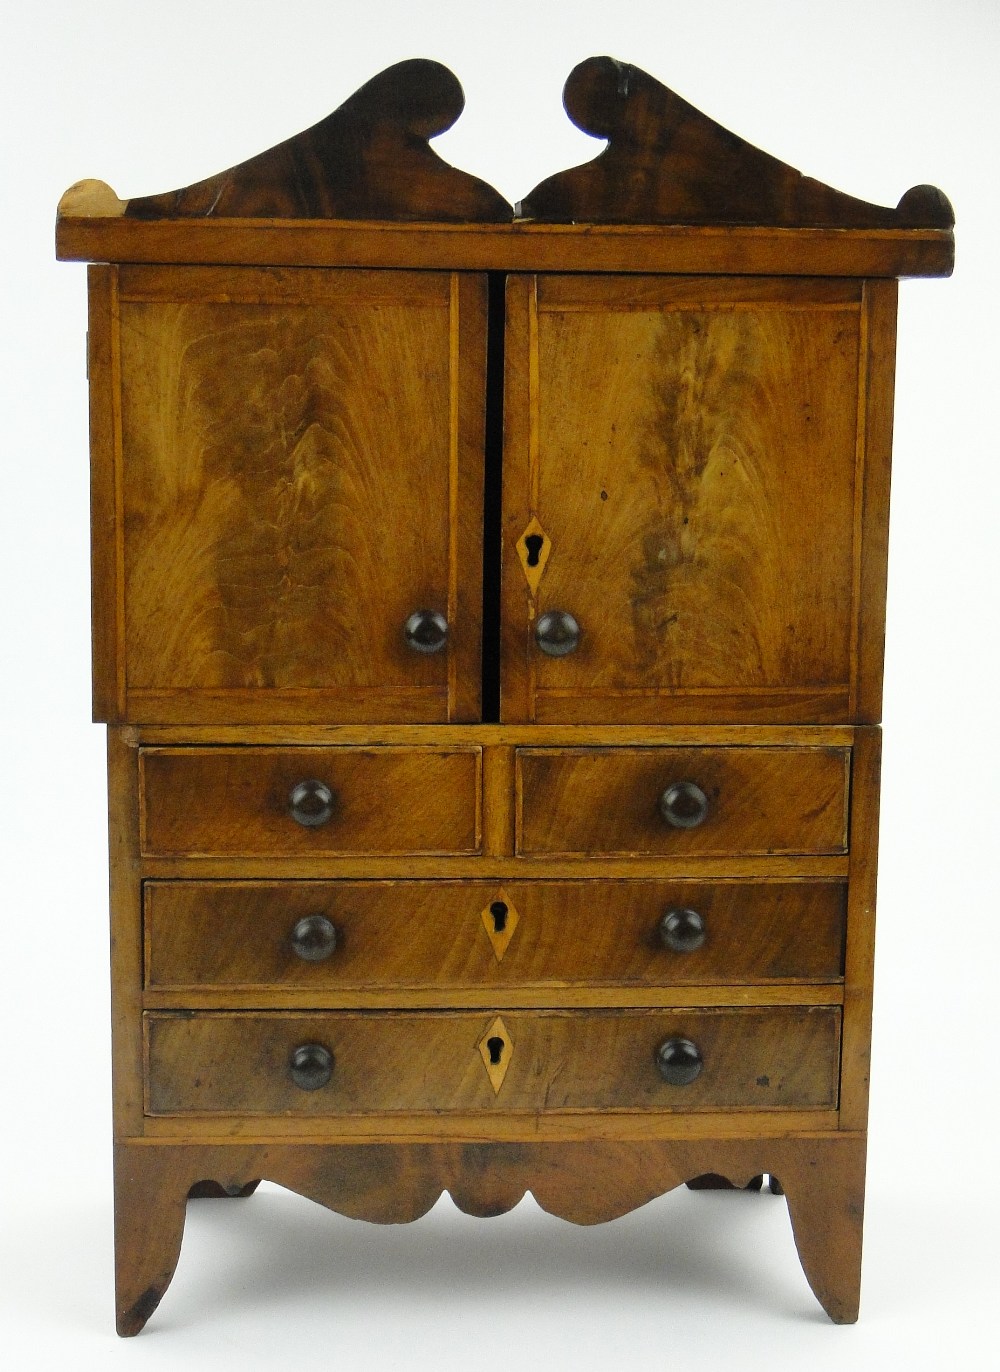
x=519 y=1061
x=307 y=802
x=704 y=802
x=358 y=935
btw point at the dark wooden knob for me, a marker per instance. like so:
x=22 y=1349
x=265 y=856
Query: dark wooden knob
x=314 y=938
x=682 y=931
x=684 y=805
x=310 y=803
x=557 y=633
x=310 y=1066
x=426 y=631
x=678 y=1061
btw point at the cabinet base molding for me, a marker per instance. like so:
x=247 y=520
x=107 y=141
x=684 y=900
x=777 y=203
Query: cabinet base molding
x=586 y=1182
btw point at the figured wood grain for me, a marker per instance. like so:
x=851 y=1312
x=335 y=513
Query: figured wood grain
x=484 y=1126
x=301 y=456
x=638 y=705
x=467 y=360
x=606 y=800
x=559 y=1060
x=585 y=1181
x=784 y=383
x=860 y=944
x=520 y=465
x=500 y=735
x=522 y=247
x=394 y=936
x=228 y=285
x=691 y=454
x=126 y=942
x=525 y=996
x=498 y=801
x=588 y=292
x=476 y=866
x=369 y=159
x=107 y=591
x=236 y=801
x=872 y=495
x=666 y=162
x=293 y=705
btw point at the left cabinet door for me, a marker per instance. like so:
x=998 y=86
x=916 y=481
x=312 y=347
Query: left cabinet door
x=286 y=465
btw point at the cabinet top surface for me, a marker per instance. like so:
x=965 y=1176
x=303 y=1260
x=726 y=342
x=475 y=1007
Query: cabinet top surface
x=671 y=192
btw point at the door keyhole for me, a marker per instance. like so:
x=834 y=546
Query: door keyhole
x=499 y=912
x=495 y=1047
x=534 y=543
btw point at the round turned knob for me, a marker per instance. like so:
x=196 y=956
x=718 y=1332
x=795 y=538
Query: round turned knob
x=557 y=633
x=310 y=1066
x=310 y=803
x=682 y=931
x=426 y=631
x=314 y=938
x=684 y=805
x=678 y=1061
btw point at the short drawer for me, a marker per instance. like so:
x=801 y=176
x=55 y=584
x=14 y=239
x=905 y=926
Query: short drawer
x=298 y=802
x=704 y=802
x=379 y=935
x=366 y=1063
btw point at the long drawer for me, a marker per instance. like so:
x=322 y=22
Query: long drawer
x=366 y=1063
x=697 y=802
x=313 y=801
x=378 y=934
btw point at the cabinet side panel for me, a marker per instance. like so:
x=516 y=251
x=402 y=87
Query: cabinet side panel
x=875 y=443
x=107 y=603
x=860 y=950
x=126 y=933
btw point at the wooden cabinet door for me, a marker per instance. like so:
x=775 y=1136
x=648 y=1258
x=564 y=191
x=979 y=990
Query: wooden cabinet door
x=287 y=465
x=696 y=469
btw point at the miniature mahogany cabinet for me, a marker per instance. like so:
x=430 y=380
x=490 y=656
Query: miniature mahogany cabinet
x=488 y=612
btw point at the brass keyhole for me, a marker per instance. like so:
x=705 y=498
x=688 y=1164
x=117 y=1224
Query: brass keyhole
x=534 y=544
x=495 y=1047
x=499 y=912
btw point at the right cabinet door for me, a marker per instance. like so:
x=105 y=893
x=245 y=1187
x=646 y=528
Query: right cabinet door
x=695 y=496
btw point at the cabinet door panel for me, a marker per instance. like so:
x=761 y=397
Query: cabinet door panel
x=686 y=454
x=300 y=470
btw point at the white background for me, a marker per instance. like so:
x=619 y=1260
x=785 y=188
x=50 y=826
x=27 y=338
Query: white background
x=869 y=95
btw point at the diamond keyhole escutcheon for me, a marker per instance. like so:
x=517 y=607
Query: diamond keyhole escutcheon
x=500 y=919
x=533 y=548
x=496 y=1049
